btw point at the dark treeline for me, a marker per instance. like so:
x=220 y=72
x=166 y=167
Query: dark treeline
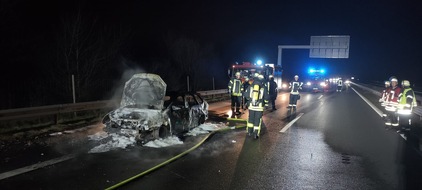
x=45 y=43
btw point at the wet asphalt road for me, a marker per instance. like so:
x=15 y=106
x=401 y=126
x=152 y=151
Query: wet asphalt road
x=339 y=142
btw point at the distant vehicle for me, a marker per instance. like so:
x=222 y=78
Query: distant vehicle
x=316 y=81
x=285 y=86
x=147 y=112
x=316 y=84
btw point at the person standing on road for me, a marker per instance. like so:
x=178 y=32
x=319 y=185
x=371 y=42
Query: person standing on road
x=257 y=98
x=407 y=100
x=235 y=90
x=385 y=93
x=294 y=86
x=339 y=85
x=245 y=86
x=392 y=103
x=272 y=91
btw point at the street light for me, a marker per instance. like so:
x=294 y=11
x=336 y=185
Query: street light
x=259 y=62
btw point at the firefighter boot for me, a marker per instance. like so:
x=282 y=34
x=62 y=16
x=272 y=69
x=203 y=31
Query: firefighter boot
x=250 y=131
x=237 y=111
x=233 y=113
x=256 y=132
x=249 y=128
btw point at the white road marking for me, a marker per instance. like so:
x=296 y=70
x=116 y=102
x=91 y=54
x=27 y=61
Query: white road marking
x=379 y=112
x=404 y=137
x=320 y=97
x=35 y=166
x=290 y=123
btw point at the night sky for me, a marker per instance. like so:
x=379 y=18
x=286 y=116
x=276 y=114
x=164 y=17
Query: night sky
x=385 y=37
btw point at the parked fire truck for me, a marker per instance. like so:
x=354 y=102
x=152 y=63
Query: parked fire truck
x=247 y=70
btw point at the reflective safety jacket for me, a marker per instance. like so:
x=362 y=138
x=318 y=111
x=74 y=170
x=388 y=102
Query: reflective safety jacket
x=392 y=99
x=384 y=96
x=340 y=82
x=235 y=87
x=407 y=100
x=257 y=96
x=295 y=86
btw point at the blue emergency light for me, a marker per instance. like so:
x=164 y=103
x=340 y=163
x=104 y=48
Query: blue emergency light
x=316 y=71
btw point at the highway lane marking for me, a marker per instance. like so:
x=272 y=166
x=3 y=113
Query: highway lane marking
x=320 y=97
x=35 y=166
x=290 y=123
x=403 y=136
x=379 y=112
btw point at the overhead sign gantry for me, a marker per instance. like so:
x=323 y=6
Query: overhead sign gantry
x=321 y=47
x=331 y=46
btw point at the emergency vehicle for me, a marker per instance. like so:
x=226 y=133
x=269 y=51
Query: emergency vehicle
x=247 y=70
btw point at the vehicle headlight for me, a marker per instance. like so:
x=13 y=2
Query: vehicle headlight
x=322 y=84
x=284 y=85
x=308 y=83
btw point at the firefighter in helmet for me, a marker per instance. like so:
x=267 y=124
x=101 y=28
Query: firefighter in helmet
x=339 y=85
x=407 y=101
x=245 y=84
x=392 y=103
x=257 y=99
x=294 y=86
x=384 y=93
x=235 y=90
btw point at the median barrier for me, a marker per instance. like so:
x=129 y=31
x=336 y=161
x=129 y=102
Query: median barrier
x=40 y=118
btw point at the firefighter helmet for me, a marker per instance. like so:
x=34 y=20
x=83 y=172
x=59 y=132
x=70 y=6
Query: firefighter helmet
x=271 y=76
x=387 y=82
x=255 y=74
x=296 y=76
x=260 y=77
x=405 y=83
x=237 y=74
x=393 y=79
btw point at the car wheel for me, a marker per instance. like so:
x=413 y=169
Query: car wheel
x=163 y=131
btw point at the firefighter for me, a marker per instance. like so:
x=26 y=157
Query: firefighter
x=407 y=101
x=257 y=99
x=272 y=91
x=384 y=93
x=392 y=103
x=245 y=84
x=235 y=90
x=294 y=86
x=339 y=85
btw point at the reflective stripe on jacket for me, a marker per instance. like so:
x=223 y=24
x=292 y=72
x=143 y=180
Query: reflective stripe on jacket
x=407 y=97
x=257 y=96
x=295 y=86
x=235 y=87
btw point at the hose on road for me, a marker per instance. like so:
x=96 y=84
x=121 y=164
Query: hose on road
x=169 y=160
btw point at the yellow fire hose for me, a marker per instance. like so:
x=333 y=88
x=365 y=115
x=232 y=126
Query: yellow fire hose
x=171 y=159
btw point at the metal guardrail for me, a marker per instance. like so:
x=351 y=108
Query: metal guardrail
x=213 y=92
x=19 y=113
x=377 y=91
x=54 y=109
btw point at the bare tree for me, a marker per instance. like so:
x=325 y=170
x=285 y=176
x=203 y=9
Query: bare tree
x=86 y=49
x=187 y=54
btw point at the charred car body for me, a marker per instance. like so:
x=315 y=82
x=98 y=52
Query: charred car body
x=147 y=112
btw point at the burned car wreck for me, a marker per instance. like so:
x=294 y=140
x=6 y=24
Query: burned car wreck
x=147 y=112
